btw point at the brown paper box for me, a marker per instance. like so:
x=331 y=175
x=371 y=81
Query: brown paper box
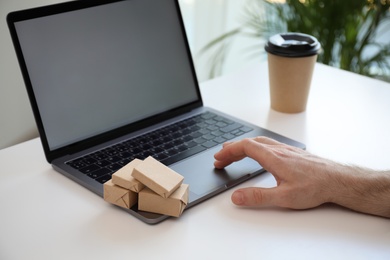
x=172 y=206
x=157 y=177
x=124 y=179
x=119 y=196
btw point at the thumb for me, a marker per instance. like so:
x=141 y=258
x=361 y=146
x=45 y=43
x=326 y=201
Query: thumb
x=254 y=196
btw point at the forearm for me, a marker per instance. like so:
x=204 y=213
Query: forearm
x=362 y=190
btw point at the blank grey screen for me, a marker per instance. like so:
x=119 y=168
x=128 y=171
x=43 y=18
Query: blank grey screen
x=100 y=68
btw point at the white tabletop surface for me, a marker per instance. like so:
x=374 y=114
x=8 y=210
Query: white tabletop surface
x=44 y=215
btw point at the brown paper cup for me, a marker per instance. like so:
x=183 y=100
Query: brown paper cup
x=290 y=80
x=291 y=60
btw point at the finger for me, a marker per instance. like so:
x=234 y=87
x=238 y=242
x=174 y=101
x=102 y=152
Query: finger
x=266 y=140
x=259 y=139
x=239 y=150
x=230 y=152
x=227 y=144
x=254 y=196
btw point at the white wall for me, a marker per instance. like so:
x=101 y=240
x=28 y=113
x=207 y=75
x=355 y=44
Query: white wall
x=205 y=20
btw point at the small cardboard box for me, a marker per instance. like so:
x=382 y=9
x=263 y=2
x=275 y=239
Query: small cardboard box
x=157 y=177
x=119 y=196
x=124 y=179
x=172 y=206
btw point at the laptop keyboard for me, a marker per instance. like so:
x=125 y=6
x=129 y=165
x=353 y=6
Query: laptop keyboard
x=168 y=145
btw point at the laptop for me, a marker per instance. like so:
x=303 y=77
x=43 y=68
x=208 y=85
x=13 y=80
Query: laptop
x=113 y=80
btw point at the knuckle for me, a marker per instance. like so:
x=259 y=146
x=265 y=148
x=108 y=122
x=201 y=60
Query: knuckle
x=260 y=138
x=246 y=140
x=257 y=196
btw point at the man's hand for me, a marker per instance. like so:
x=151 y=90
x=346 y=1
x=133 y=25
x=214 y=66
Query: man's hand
x=305 y=180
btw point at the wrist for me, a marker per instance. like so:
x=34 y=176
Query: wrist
x=362 y=190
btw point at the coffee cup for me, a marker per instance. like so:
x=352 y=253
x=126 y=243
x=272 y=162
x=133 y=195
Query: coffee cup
x=291 y=61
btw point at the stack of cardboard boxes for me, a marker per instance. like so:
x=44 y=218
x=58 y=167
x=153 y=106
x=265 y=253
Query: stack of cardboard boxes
x=155 y=187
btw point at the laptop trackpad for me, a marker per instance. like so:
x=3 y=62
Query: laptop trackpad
x=203 y=178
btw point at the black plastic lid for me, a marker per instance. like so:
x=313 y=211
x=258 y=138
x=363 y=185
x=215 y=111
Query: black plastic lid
x=293 y=45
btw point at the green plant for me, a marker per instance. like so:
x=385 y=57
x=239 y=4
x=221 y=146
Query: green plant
x=347 y=30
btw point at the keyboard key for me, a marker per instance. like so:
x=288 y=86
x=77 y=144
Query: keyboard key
x=212 y=128
x=207 y=115
x=156 y=150
x=217 y=133
x=186 y=131
x=100 y=156
x=103 y=163
x=200 y=140
x=123 y=162
x=89 y=168
x=172 y=152
x=204 y=131
x=202 y=125
x=89 y=160
x=211 y=122
x=156 y=142
x=103 y=178
x=167 y=146
x=114 y=167
x=111 y=152
x=145 y=146
x=209 y=137
x=229 y=128
x=178 y=142
x=238 y=133
x=246 y=129
x=124 y=155
x=134 y=150
x=183 y=155
x=113 y=159
x=160 y=156
x=77 y=164
x=99 y=173
x=228 y=121
x=221 y=124
x=194 y=128
x=187 y=138
x=191 y=144
x=219 y=140
x=196 y=134
x=182 y=148
x=209 y=144
x=122 y=148
x=228 y=136
x=146 y=154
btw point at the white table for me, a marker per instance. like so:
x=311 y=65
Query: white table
x=44 y=215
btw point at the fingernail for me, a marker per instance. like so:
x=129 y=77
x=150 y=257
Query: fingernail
x=238 y=198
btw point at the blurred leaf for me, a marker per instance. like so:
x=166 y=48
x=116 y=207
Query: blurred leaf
x=346 y=29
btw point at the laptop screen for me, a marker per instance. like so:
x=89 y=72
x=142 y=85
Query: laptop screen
x=96 y=69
